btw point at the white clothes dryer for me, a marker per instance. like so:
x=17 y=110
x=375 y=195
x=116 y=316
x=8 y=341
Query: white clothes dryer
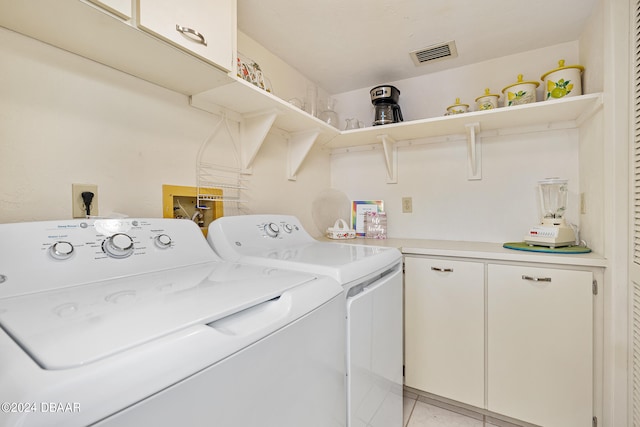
x=372 y=280
x=136 y=322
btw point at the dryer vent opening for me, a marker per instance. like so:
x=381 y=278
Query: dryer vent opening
x=433 y=53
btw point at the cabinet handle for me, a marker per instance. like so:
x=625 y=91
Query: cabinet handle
x=442 y=270
x=536 y=279
x=187 y=30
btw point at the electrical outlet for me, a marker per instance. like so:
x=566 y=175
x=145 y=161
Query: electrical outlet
x=77 y=202
x=407 y=205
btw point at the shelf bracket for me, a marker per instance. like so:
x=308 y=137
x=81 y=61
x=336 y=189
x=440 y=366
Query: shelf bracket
x=391 y=157
x=474 y=163
x=299 y=145
x=253 y=130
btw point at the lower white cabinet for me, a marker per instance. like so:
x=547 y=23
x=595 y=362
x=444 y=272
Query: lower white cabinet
x=514 y=339
x=444 y=328
x=540 y=345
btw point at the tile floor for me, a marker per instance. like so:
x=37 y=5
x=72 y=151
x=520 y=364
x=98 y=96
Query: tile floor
x=421 y=414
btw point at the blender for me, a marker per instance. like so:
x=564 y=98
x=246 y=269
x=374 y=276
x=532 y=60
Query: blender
x=553 y=231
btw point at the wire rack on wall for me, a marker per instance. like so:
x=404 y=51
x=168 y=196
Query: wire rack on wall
x=221 y=183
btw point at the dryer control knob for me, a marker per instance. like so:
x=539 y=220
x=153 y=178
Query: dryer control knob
x=162 y=241
x=119 y=245
x=61 y=250
x=288 y=228
x=272 y=229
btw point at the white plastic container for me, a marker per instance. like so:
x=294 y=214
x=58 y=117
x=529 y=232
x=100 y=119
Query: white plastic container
x=520 y=92
x=563 y=81
x=340 y=231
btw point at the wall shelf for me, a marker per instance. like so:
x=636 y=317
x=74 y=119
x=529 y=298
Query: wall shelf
x=539 y=116
x=258 y=111
x=543 y=113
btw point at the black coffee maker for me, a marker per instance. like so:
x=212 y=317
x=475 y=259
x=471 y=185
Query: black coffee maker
x=385 y=100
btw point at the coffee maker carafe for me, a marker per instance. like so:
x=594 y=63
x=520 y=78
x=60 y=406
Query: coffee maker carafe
x=385 y=100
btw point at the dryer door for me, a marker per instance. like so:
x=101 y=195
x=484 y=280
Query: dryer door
x=374 y=346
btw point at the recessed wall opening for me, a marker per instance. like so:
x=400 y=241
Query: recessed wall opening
x=181 y=202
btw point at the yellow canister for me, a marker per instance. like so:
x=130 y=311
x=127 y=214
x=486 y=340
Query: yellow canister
x=564 y=81
x=520 y=92
x=457 y=108
x=488 y=101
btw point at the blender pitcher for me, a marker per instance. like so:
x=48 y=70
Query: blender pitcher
x=553 y=197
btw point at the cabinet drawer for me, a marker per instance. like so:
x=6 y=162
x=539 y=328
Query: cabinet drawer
x=444 y=328
x=540 y=344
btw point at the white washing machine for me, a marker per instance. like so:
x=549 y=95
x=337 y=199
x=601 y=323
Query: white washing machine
x=372 y=279
x=137 y=322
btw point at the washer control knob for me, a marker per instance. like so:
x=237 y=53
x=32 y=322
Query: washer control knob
x=288 y=228
x=119 y=245
x=163 y=241
x=272 y=229
x=61 y=250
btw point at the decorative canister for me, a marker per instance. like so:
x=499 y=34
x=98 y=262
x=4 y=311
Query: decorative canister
x=457 y=108
x=488 y=101
x=563 y=81
x=520 y=92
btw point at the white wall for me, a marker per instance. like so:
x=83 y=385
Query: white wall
x=65 y=119
x=500 y=207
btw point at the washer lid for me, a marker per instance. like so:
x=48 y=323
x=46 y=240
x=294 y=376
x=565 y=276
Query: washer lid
x=246 y=238
x=79 y=325
x=341 y=261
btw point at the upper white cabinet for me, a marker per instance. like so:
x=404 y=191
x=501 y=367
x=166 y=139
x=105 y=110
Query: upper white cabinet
x=203 y=27
x=88 y=30
x=122 y=8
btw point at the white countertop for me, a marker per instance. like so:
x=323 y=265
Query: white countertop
x=479 y=250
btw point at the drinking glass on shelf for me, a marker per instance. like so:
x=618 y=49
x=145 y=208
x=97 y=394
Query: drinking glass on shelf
x=329 y=115
x=352 y=124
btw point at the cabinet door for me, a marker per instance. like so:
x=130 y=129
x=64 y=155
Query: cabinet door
x=444 y=328
x=540 y=345
x=202 y=27
x=122 y=8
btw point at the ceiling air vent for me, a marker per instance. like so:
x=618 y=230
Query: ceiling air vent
x=435 y=52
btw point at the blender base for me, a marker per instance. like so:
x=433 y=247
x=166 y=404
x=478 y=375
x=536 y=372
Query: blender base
x=551 y=236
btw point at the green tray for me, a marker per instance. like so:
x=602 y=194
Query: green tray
x=522 y=246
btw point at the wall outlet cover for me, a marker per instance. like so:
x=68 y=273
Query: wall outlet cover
x=77 y=203
x=407 y=205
